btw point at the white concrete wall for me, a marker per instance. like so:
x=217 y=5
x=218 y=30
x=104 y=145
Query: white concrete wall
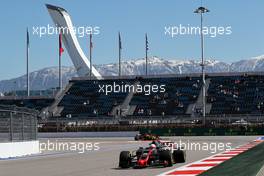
x=17 y=149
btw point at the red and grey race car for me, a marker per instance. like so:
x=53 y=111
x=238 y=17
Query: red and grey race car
x=146 y=137
x=157 y=154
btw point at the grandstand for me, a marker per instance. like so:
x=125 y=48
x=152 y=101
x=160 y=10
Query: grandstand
x=84 y=100
x=239 y=94
x=227 y=94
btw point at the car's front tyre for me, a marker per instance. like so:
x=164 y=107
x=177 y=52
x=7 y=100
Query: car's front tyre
x=166 y=157
x=125 y=159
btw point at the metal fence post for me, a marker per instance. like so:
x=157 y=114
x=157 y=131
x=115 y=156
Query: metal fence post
x=31 y=128
x=22 y=126
x=35 y=127
x=11 y=126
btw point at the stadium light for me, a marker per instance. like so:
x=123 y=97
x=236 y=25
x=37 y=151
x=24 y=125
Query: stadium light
x=201 y=10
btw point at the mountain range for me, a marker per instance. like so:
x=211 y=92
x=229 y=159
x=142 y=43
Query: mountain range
x=48 y=77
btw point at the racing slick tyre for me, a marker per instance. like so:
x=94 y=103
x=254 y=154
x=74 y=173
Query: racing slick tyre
x=124 y=159
x=179 y=156
x=166 y=156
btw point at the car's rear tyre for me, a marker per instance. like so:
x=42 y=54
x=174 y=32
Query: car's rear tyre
x=166 y=156
x=125 y=159
x=179 y=156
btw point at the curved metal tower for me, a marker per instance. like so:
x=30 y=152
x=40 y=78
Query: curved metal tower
x=62 y=20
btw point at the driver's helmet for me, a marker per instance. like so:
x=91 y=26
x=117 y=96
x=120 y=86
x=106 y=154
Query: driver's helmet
x=152 y=146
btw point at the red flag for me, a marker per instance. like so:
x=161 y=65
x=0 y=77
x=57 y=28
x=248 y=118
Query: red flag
x=61 y=50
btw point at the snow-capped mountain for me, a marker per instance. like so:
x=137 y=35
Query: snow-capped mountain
x=253 y=64
x=158 y=66
x=39 y=80
x=48 y=77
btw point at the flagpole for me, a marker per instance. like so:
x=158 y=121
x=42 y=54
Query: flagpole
x=91 y=56
x=28 y=91
x=146 y=54
x=119 y=49
x=60 y=80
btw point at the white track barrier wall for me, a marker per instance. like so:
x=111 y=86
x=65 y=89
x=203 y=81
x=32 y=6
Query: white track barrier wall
x=18 y=149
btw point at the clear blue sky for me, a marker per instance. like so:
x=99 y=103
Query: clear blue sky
x=133 y=19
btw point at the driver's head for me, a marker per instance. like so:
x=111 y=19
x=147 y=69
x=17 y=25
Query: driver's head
x=152 y=146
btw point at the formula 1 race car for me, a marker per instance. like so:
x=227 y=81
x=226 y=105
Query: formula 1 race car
x=157 y=154
x=146 y=137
